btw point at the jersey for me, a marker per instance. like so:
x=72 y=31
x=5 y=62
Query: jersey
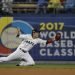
x=28 y=42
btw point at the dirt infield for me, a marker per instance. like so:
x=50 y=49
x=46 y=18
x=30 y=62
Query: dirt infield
x=36 y=71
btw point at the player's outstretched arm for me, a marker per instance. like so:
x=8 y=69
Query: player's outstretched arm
x=20 y=35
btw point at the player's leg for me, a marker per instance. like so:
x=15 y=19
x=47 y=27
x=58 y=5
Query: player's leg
x=27 y=60
x=15 y=55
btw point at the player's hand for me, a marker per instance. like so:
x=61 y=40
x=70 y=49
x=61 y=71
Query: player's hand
x=18 y=32
x=57 y=37
x=49 y=41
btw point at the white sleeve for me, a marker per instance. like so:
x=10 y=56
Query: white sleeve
x=42 y=41
x=23 y=36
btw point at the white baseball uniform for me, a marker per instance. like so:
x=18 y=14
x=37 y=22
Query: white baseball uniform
x=22 y=51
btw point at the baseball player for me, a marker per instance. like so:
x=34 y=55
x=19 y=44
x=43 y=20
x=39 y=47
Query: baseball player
x=7 y=6
x=22 y=52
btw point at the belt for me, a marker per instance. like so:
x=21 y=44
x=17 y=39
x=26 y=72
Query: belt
x=23 y=50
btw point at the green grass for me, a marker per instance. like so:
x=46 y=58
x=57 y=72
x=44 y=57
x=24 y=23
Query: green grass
x=9 y=65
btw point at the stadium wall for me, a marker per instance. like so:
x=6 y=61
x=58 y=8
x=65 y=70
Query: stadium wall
x=63 y=50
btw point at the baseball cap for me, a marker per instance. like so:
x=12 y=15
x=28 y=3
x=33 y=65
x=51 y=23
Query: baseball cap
x=35 y=30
